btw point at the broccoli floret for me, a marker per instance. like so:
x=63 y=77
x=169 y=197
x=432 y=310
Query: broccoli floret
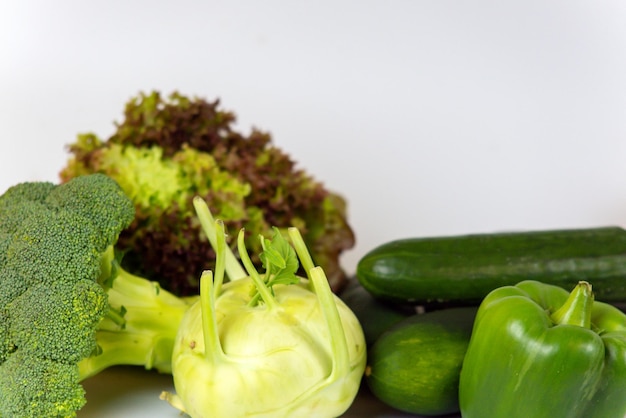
x=67 y=308
x=20 y=202
x=39 y=387
x=58 y=334
x=168 y=150
x=36 y=191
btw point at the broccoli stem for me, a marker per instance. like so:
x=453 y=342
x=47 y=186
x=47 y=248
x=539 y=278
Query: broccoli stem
x=141 y=325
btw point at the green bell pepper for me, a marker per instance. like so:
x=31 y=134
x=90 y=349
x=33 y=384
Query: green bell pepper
x=537 y=350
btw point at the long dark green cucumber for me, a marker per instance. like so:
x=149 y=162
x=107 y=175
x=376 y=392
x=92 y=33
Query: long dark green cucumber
x=466 y=268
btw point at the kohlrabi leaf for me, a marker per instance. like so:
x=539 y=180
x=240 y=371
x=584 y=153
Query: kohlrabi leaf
x=279 y=260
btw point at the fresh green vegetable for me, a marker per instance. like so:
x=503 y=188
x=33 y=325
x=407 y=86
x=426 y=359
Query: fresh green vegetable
x=67 y=309
x=414 y=366
x=375 y=315
x=266 y=345
x=168 y=150
x=466 y=268
x=539 y=351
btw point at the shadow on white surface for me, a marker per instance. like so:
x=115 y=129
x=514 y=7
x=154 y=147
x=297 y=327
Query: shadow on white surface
x=128 y=392
x=133 y=392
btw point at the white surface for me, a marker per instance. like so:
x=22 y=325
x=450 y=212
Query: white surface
x=431 y=117
x=133 y=392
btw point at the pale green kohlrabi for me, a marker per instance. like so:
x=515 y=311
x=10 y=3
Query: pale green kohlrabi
x=265 y=345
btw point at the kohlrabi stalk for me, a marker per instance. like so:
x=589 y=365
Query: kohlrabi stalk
x=232 y=266
x=209 y=289
x=269 y=344
x=327 y=301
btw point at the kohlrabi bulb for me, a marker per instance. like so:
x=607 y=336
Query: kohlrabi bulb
x=272 y=345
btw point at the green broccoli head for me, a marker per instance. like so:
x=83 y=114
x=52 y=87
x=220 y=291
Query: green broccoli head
x=20 y=202
x=98 y=199
x=21 y=382
x=51 y=302
x=6 y=344
x=65 y=333
x=72 y=240
x=168 y=150
x=67 y=308
x=36 y=191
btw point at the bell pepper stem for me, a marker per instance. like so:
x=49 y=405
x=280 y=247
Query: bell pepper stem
x=577 y=308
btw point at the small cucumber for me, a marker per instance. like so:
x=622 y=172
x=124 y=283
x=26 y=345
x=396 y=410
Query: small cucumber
x=375 y=315
x=466 y=268
x=415 y=365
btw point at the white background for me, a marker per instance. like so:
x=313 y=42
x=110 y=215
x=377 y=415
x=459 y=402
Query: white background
x=430 y=117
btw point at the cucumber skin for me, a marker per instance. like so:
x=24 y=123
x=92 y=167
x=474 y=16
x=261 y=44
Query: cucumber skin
x=466 y=268
x=415 y=365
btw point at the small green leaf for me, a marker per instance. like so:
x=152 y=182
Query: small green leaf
x=284 y=277
x=272 y=257
x=279 y=259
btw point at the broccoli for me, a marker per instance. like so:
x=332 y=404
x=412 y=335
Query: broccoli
x=168 y=150
x=67 y=308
